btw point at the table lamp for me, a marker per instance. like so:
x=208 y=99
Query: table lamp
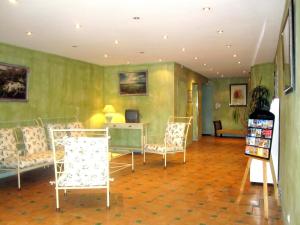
x=109 y=111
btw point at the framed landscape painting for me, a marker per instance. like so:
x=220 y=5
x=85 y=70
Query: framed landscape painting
x=133 y=83
x=13 y=82
x=238 y=95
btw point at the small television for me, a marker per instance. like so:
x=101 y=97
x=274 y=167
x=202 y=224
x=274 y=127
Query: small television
x=132 y=116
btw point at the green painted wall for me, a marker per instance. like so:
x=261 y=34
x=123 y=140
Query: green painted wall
x=221 y=95
x=58 y=86
x=155 y=107
x=183 y=106
x=263 y=74
x=290 y=135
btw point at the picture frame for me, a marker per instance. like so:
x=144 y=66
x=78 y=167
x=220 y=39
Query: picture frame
x=13 y=82
x=133 y=83
x=238 y=95
x=288 y=50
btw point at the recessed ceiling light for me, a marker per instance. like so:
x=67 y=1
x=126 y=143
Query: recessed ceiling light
x=13 y=2
x=78 y=26
x=28 y=33
x=204 y=64
x=218 y=73
x=239 y=62
x=228 y=46
x=183 y=49
x=136 y=18
x=116 y=42
x=244 y=71
x=160 y=60
x=206 y=9
x=165 y=37
x=222 y=75
x=234 y=55
x=220 y=31
x=127 y=62
x=196 y=58
x=105 y=55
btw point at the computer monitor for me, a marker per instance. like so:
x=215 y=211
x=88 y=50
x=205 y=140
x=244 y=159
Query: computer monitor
x=132 y=116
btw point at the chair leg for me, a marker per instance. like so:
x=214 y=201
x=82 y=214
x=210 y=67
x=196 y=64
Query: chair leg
x=165 y=157
x=19 y=178
x=57 y=198
x=184 y=159
x=107 y=197
x=144 y=156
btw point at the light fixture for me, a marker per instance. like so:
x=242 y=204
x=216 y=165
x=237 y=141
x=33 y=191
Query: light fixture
x=196 y=58
x=78 y=26
x=13 y=2
x=127 y=62
x=218 y=73
x=160 y=60
x=220 y=31
x=244 y=71
x=228 y=46
x=234 y=55
x=204 y=64
x=206 y=9
x=28 y=33
x=105 y=55
x=116 y=42
x=136 y=18
x=165 y=37
x=183 y=49
x=239 y=62
x=222 y=75
x=109 y=111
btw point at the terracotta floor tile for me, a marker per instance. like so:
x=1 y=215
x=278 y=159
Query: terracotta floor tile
x=201 y=192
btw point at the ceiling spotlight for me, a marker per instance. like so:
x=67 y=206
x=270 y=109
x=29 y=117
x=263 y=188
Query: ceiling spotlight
x=220 y=31
x=127 y=62
x=196 y=58
x=204 y=64
x=206 y=9
x=28 y=33
x=228 y=46
x=165 y=37
x=105 y=55
x=116 y=42
x=244 y=71
x=234 y=55
x=78 y=26
x=218 y=73
x=160 y=60
x=13 y=2
x=222 y=75
x=136 y=18
x=183 y=49
x=239 y=62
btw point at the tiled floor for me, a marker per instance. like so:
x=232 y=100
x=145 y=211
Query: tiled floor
x=202 y=192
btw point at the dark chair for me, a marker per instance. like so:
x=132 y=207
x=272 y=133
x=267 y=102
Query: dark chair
x=217 y=126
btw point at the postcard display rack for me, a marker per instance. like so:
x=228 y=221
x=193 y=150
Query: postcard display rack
x=258 y=146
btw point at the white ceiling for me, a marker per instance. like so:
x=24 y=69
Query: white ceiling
x=250 y=26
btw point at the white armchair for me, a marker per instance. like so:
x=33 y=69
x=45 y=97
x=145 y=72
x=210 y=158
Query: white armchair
x=174 y=141
x=85 y=164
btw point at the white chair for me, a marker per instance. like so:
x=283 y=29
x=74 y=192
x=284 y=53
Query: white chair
x=174 y=141
x=85 y=164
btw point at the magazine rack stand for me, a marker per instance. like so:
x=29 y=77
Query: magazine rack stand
x=258 y=146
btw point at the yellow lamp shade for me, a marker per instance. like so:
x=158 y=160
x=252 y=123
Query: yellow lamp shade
x=109 y=109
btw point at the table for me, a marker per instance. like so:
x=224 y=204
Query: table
x=118 y=151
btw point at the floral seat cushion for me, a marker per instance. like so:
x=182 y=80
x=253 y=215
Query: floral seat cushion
x=75 y=125
x=34 y=139
x=8 y=143
x=85 y=162
x=161 y=148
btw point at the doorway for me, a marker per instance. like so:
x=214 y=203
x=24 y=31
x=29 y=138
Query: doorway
x=195 y=103
x=207 y=109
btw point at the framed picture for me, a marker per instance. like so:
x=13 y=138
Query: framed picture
x=133 y=83
x=238 y=95
x=13 y=82
x=288 y=48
